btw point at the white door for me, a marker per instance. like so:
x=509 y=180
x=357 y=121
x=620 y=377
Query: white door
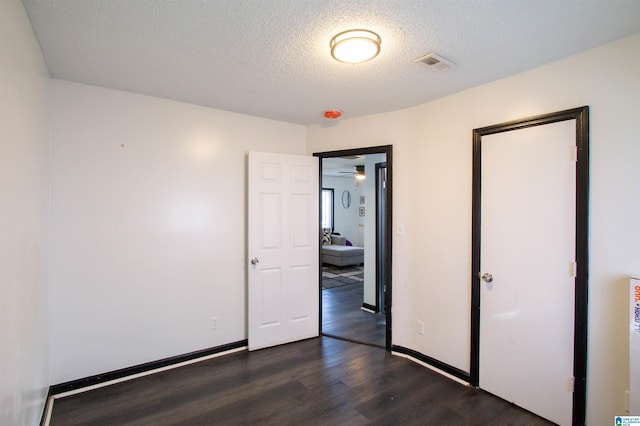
x=282 y=249
x=528 y=247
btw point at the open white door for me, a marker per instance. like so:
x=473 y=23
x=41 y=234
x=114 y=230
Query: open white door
x=527 y=262
x=282 y=249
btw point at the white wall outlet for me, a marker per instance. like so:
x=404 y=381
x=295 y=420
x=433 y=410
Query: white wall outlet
x=214 y=322
x=420 y=327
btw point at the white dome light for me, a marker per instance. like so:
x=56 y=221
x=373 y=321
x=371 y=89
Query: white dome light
x=355 y=46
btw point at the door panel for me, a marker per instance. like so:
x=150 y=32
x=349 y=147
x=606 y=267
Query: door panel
x=528 y=227
x=270 y=212
x=282 y=248
x=301 y=287
x=270 y=291
x=300 y=212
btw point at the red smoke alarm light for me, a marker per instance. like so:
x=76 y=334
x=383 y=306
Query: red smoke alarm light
x=332 y=114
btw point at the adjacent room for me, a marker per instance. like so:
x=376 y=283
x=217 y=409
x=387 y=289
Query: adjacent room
x=181 y=211
x=353 y=219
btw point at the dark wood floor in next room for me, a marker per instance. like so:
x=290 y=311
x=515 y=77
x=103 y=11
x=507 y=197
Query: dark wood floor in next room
x=343 y=317
x=322 y=381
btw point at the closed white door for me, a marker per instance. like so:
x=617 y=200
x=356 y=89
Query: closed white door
x=282 y=249
x=528 y=199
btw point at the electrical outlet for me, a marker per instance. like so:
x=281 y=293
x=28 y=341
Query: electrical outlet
x=214 y=322
x=420 y=327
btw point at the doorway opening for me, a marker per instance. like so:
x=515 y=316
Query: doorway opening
x=355 y=256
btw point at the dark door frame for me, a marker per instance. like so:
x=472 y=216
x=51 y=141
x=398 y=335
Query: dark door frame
x=381 y=228
x=581 y=116
x=383 y=149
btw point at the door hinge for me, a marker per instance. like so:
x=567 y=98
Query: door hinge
x=572 y=384
x=574 y=154
x=573 y=269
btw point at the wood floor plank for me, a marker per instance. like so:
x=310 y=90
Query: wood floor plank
x=318 y=381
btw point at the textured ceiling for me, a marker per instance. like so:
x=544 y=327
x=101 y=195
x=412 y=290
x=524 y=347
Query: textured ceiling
x=270 y=58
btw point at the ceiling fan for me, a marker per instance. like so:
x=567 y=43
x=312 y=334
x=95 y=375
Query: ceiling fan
x=358 y=172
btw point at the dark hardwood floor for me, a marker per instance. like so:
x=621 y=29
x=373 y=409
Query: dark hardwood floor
x=342 y=313
x=322 y=381
x=343 y=317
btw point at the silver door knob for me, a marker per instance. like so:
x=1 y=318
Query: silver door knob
x=254 y=261
x=487 y=277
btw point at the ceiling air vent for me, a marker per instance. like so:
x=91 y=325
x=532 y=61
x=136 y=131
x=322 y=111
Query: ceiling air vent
x=435 y=62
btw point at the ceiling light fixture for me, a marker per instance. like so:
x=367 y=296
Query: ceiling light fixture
x=355 y=46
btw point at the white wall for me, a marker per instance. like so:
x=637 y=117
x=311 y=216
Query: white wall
x=432 y=198
x=148 y=226
x=24 y=136
x=345 y=221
